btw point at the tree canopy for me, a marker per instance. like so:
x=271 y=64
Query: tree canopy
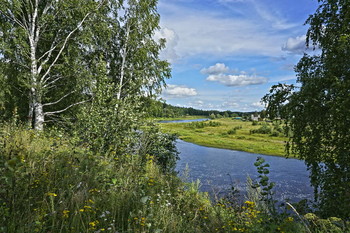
x=317 y=112
x=54 y=54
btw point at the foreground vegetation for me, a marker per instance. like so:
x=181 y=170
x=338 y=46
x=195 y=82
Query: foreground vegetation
x=78 y=155
x=52 y=183
x=256 y=137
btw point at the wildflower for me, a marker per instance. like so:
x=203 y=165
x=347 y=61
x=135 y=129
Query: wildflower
x=250 y=203
x=93 y=224
x=94 y=190
x=52 y=194
x=66 y=213
x=90 y=201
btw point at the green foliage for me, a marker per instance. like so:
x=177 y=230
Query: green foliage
x=264 y=129
x=160 y=146
x=317 y=112
x=202 y=124
x=265 y=187
x=218 y=137
x=231 y=131
x=51 y=184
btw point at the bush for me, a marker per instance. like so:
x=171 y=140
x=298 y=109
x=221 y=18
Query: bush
x=202 y=124
x=231 y=131
x=264 y=129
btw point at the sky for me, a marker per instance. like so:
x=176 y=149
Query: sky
x=226 y=54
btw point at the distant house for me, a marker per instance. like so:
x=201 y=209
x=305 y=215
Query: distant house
x=255 y=118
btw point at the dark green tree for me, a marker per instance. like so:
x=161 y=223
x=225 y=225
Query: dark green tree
x=318 y=111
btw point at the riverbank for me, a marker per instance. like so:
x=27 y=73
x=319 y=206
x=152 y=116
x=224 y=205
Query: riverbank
x=226 y=133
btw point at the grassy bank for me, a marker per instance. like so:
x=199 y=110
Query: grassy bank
x=52 y=183
x=227 y=133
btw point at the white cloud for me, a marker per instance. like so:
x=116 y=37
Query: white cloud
x=204 y=32
x=175 y=91
x=169 y=53
x=229 y=105
x=220 y=73
x=271 y=16
x=257 y=105
x=218 y=68
x=237 y=80
x=295 y=45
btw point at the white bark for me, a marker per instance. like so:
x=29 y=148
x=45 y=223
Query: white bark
x=124 y=53
x=39 y=116
x=40 y=65
x=40 y=82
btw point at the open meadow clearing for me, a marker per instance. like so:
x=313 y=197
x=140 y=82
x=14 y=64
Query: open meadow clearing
x=257 y=137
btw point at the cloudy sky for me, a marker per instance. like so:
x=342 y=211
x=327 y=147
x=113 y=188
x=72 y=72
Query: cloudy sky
x=226 y=54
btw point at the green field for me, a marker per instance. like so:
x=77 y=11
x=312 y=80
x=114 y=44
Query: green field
x=232 y=134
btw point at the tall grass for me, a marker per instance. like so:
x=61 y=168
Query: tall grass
x=52 y=183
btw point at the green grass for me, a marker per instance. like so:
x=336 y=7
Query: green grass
x=52 y=183
x=240 y=138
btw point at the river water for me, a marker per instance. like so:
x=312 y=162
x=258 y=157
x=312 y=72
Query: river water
x=219 y=169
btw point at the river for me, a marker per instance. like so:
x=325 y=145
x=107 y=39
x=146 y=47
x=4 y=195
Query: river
x=219 y=169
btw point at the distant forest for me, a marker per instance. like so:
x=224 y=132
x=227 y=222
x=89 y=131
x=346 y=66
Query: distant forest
x=162 y=109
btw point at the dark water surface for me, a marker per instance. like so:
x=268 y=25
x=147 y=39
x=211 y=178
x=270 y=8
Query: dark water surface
x=217 y=169
x=185 y=121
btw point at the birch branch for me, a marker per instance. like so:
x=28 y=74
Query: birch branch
x=66 y=41
x=65 y=109
x=47 y=85
x=56 y=102
x=13 y=18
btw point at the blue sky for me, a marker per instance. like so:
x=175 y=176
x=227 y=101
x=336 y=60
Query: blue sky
x=226 y=54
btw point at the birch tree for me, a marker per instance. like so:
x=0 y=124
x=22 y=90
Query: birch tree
x=40 y=42
x=132 y=73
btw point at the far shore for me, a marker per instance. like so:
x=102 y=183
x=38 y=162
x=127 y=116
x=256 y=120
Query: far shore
x=229 y=134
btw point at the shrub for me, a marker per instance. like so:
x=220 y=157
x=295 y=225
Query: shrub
x=231 y=131
x=264 y=129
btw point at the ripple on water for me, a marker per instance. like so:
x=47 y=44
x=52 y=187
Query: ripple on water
x=218 y=169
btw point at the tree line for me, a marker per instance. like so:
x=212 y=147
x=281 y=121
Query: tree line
x=159 y=108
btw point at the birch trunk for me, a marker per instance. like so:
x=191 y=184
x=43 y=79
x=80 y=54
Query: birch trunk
x=122 y=68
x=39 y=116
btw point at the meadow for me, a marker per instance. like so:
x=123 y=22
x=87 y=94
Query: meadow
x=255 y=137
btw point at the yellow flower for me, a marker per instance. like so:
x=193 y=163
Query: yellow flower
x=66 y=213
x=94 y=223
x=250 y=203
x=94 y=190
x=91 y=201
x=52 y=194
x=290 y=219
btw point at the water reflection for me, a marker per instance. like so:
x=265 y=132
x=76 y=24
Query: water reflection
x=185 y=121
